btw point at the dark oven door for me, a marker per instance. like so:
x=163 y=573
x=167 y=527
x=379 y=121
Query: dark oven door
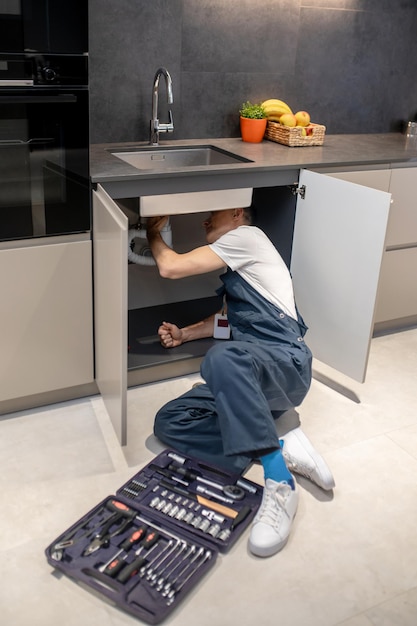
x=44 y=173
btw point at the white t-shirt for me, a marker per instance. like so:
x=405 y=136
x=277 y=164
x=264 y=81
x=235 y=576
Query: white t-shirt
x=249 y=252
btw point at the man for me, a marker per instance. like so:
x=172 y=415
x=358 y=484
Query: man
x=264 y=370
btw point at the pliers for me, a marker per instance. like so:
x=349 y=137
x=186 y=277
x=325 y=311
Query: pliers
x=123 y=516
x=69 y=539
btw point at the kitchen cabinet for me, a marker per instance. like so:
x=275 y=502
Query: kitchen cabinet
x=402 y=224
x=397 y=294
x=45 y=317
x=334 y=240
x=397 y=298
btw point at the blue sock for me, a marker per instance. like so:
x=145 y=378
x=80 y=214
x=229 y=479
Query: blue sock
x=275 y=468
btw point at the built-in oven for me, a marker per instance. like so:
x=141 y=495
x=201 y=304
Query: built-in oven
x=44 y=139
x=44 y=26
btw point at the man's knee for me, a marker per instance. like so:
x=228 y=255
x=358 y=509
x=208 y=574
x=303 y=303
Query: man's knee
x=221 y=358
x=157 y=425
x=162 y=421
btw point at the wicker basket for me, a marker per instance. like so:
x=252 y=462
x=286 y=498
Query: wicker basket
x=290 y=136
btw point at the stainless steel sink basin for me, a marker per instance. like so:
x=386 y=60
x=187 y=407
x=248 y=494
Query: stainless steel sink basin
x=152 y=158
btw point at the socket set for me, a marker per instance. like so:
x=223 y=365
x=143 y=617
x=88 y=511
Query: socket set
x=146 y=547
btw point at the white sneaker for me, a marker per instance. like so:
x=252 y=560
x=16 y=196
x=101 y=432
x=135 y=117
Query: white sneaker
x=272 y=524
x=301 y=458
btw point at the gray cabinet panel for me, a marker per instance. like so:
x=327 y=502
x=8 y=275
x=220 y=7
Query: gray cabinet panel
x=397 y=296
x=46 y=323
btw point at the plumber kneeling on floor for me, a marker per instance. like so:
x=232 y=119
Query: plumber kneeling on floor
x=260 y=371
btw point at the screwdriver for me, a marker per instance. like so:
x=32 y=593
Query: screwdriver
x=133 y=567
x=114 y=565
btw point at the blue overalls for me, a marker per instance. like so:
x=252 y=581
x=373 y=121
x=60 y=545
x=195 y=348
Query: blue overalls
x=261 y=373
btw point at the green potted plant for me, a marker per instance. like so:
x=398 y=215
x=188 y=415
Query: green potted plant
x=253 y=119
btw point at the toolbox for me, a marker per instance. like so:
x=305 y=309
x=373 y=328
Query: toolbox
x=146 y=547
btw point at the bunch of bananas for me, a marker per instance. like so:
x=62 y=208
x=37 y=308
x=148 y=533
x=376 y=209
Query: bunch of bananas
x=275 y=108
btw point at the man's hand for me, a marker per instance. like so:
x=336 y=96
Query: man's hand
x=154 y=225
x=170 y=335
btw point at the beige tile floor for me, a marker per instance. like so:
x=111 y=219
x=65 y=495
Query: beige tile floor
x=352 y=556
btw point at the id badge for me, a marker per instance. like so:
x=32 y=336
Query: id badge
x=221 y=327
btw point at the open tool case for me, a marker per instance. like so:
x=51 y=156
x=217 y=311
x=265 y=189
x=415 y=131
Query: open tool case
x=148 y=545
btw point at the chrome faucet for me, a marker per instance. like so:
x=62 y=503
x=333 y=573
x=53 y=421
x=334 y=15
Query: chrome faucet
x=156 y=127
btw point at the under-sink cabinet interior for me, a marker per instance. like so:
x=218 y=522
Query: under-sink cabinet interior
x=330 y=233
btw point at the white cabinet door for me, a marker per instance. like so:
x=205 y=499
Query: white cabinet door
x=110 y=227
x=46 y=319
x=339 y=239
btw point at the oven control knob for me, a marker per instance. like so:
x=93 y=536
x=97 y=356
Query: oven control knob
x=49 y=74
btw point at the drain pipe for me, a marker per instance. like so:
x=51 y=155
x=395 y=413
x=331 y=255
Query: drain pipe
x=143 y=255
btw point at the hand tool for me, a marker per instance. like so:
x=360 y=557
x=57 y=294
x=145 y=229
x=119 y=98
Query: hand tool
x=69 y=538
x=118 y=565
x=246 y=486
x=213 y=516
x=169 y=584
x=220 y=508
x=128 y=492
x=204 y=525
x=235 y=492
x=161 y=580
x=224 y=534
x=133 y=568
x=123 y=516
x=172 y=593
x=140 y=564
x=149 y=571
x=177 y=554
x=179 y=459
x=164 y=472
x=213 y=494
x=196 y=521
x=214 y=530
x=113 y=565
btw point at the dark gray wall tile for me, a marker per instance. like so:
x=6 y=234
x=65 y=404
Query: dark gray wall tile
x=352 y=78
x=210 y=102
x=238 y=35
x=351 y=63
x=129 y=40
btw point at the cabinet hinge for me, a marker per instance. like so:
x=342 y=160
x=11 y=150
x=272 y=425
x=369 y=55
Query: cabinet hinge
x=295 y=189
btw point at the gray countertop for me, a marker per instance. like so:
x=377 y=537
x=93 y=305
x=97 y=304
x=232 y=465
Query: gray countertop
x=337 y=150
x=269 y=159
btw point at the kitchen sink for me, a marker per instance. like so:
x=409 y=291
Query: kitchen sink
x=157 y=158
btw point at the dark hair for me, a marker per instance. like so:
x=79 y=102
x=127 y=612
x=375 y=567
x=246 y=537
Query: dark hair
x=248 y=213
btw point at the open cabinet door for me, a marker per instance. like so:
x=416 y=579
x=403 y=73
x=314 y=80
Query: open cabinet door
x=110 y=227
x=339 y=238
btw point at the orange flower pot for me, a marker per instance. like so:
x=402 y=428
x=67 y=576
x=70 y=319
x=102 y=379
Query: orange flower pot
x=252 y=131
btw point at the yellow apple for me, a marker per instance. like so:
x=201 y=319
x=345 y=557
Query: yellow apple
x=288 y=119
x=303 y=118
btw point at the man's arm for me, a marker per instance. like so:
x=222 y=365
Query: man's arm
x=171 y=336
x=171 y=264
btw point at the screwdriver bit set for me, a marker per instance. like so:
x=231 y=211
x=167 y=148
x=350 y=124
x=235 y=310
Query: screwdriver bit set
x=146 y=547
